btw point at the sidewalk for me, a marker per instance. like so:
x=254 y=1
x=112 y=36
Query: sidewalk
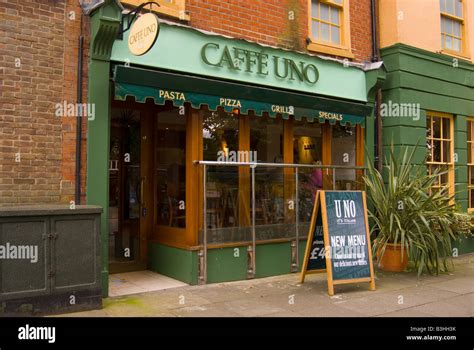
x=397 y=294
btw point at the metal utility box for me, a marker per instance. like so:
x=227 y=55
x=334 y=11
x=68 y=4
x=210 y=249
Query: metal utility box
x=50 y=259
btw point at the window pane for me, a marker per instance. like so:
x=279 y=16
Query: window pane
x=446 y=128
x=220 y=133
x=470 y=145
x=334 y=15
x=308 y=149
x=266 y=144
x=470 y=153
x=170 y=172
x=442 y=5
x=444 y=177
x=338 y=1
x=266 y=139
x=324 y=15
x=221 y=143
x=459 y=8
x=457 y=28
x=429 y=151
x=446 y=152
x=450 y=6
x=344 y=153
x=436 y=151
x=436 y=127
x=472 y=199
x=315 y=30
x=314 y=9
x=335 y=35
x=324 y=32
x=457 y=45
x=445 y=24
x=448 y=43
x=471 y=175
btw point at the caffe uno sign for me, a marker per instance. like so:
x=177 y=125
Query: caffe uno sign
x=258 y=62
x=143 y=34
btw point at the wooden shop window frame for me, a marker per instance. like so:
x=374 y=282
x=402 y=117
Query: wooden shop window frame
x=344 y=48
x=449 y=164
x=174 y=8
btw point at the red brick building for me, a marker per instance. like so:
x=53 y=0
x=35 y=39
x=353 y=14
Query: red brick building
x=40 y=55
x=39 y=63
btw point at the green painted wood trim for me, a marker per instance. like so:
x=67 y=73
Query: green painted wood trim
x=173 y=262
x=273 y=259
x=414 y=81
x=397 y=49
x=105 y=23
x=225 y=264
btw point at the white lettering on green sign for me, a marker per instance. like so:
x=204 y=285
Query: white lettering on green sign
x=228 y=102
x=172 y=95
x=283 y=109
x=327 y=115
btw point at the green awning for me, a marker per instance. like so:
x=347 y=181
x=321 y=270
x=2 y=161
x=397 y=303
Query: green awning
x=143 y=84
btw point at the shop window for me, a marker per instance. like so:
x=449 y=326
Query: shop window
x=170 y=168
x=452 y=25
x=308 y=149
x=172 y=8
x=266 y=146
x=221 y=143
x=329 y=27
x=440 y=149
x=470 y=161
x=344 y=153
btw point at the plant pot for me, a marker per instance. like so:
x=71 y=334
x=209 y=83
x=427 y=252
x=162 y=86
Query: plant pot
x=392 y=258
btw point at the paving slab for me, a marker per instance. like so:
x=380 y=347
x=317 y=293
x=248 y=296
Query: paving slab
x=396 y=295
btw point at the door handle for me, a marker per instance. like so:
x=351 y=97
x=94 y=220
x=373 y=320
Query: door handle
x=142 y=186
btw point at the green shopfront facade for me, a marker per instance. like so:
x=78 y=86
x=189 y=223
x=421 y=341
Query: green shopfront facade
x=429 y=100
x=178 y=132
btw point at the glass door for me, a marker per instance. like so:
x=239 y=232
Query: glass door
x=126 y=188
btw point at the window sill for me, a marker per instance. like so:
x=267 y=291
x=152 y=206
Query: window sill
x=455 y=54
x=171 y=11
x=330 y=50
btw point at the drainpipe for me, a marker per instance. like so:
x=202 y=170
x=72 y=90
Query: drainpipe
x=378 y=97
x=79 y=118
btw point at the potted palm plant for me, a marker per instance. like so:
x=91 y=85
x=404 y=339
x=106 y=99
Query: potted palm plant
x=411 y=221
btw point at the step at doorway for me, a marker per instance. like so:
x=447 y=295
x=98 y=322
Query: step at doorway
x=127 y=283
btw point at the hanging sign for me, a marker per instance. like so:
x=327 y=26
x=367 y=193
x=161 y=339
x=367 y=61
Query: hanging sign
x=143 y=34
x=338 y=239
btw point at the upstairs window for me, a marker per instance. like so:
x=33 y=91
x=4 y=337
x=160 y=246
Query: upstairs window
x=452 y=25
x=326 y=20
x=329 y=27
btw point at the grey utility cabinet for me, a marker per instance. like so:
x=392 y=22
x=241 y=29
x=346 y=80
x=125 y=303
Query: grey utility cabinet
x=65 y=272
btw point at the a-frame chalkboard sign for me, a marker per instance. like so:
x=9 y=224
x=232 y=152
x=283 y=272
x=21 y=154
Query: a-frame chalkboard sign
x=338 y=239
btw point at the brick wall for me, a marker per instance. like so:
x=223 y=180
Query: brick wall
x=73 y=26
x=38 y=63
x=268 y=22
